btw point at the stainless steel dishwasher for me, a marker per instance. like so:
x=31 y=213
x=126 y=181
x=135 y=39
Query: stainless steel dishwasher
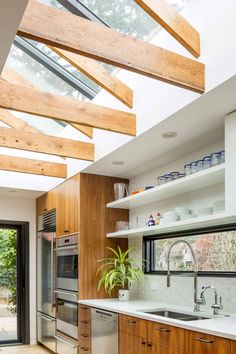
x=104 y=332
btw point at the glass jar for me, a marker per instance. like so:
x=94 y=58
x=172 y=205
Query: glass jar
x=161 y=180
x=215 y=159
x=222 y=156
x=200 y=165
x=194 y=167
x=207 y=162
x=188 y=169
x=168 y=178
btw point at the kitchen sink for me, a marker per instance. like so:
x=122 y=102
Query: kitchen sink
x=176 y=315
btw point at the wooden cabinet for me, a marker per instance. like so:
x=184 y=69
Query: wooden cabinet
x=46 y=202
x=147 y=337
x=200 y=343
x=68 y=206
x=84 y=329
x=233 y=347
x=131 y=344
x=133 y=325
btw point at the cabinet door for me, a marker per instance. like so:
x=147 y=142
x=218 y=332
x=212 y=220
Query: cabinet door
x=133 y=325
x=84 y=327
x=72 y=204
x=46 y=202
x=61 y=209
x=233 y=347
x=130 y=344
x=68 y=207
x=200 y=343
x=169 y=339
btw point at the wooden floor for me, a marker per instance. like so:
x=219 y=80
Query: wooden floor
x=24 y=349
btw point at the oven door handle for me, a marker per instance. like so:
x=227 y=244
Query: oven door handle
x=63 y=248
x=74 y=346
x=66 y=293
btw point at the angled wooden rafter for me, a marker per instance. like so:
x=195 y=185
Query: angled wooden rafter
x=12 y=76
x=36 y=167
x=32 y=101
x=14 y=122
x=99 y=74
x=75 y=34
x=171 y=20
x=17 y=139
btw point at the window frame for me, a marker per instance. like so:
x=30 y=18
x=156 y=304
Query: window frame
x=148 y=249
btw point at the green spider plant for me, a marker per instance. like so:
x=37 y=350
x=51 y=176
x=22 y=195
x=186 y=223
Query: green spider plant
x=119 y=271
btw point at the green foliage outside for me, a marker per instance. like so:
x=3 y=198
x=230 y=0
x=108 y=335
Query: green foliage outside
x=8 y=265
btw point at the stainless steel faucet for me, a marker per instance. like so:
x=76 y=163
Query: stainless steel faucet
x=216 y=307
x=196 y=302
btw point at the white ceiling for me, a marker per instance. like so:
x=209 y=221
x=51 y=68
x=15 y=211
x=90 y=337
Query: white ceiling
x=19 y=193
x=11 y=13
x=198 y=125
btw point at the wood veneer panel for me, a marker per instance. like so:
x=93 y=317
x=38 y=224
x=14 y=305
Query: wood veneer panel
x=95 y=222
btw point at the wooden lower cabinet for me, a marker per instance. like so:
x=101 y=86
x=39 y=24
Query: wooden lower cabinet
x=131 y=344
x=84 y=329
x=200 y=343
x=139 y=336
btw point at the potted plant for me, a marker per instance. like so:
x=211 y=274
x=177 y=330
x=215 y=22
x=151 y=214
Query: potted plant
x=119 y=272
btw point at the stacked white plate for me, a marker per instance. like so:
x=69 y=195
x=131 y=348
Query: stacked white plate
x=184 y=213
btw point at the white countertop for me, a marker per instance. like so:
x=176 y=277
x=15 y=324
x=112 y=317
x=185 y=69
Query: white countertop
x=217 y=325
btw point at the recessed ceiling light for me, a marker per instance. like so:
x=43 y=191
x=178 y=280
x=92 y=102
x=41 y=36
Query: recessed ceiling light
x=169 y=135
x=12 y=190
x=118 y=163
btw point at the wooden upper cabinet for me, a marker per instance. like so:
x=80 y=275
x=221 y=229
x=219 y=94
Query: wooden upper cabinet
x=68 y=207
x=233 y=347
x=200 y=343
x=46 y=202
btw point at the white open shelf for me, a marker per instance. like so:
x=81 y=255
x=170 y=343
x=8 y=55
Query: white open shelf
x=199 y=180
x=200 y=222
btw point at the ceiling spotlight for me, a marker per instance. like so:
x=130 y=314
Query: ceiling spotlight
x=12 y=190
x=118 y=163
x=169 y=135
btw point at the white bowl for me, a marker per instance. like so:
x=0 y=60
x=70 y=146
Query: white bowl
x=204 y=211
x=170 y=216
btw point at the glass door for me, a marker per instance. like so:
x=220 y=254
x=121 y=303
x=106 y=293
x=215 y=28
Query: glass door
x=9 y=331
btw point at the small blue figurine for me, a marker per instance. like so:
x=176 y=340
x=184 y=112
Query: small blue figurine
x=151 y=221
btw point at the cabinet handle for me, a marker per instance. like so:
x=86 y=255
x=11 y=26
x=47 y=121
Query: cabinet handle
x=84 y=349
x=164 y=330
x=84 y=335
x=207 y=341
x=131 y=321
x=143 y=343
x=84 y=321
x=66 y=231
x=84 y=308
x=149 y=345
x=45 y=209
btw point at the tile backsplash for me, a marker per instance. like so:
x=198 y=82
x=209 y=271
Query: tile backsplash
x=181 y=290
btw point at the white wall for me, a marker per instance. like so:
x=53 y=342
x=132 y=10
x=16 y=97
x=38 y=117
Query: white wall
x=23 y=209
x=181 y=290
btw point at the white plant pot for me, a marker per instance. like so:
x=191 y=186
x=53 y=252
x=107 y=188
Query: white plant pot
x=124 y=295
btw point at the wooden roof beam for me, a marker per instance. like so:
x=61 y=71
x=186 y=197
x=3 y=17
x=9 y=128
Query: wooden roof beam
x=69 y=32
x=17 y=139
x=43 y=104
x=14 y=122
x=99 y=74
x=175 y=24
x=36 y=167
x=12 y=76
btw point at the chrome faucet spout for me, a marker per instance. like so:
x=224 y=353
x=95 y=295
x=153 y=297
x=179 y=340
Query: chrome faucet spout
x=196 y=304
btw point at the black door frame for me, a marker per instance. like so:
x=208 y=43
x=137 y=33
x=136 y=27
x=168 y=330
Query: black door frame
x=23 y=285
